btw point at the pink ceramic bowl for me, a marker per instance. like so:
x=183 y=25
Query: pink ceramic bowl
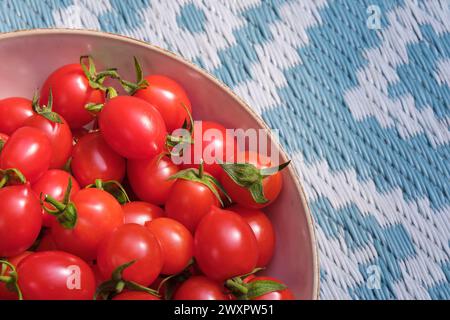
x=29 y=56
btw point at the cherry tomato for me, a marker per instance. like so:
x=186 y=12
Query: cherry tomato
x=135 y=295
x=140 y=212
x=168 y=97
x=93 y=159
x=54 y=183
x=98 y=213
x=188 y=202
x=200 y=288
x=71 y=92
x=214 y=148
x=271 y=184
x=177 y=244
x=14 y=112
x=5 y=293
x=149 y=178
x=59 y=135
x=263 y=230
x=285 y=294
x=225 y=245
x=28 y=150
x=20 y=219
x=132 y=127
x=125 y=244
x=46 y=243
x=55 y=275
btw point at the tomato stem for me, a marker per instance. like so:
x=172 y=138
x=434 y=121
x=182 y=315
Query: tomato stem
x=120 y=286
x=3 y=181
x=5 y=279
x=230 y=283
x=99 y=184
x=58 y=205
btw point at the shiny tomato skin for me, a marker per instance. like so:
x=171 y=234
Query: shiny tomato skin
x=71 y=92
x=132 y=127
x=28 y=150
x=5 y=294
x=188 y=202
x=200 y=288
x=54 y=183
x=55 y=275
x=168 y=97
x=127 y=243
x=92 y=159
x=225 y=245
x=285 y=294
x=149 y=178
x=176 y=242
x=19 y=207
x=271 y=185
x=135 y=295
x=13 y=112
x=59 y=135
x=140 y=212
x=99 y=214
x=263 y=230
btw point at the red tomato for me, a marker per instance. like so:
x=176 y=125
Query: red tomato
x=225 y=245
x=263 y=230
x=54 y=183
x=127 y=243
x=93 y=159
x=140 y=212
x=5 y=294
x=177 y=244
x=168 y=97
x=55 y=275
x=46 y=243
x=149 y=178
x=271 y=184
x=59 y=135
x=135 y=295
x=188 y=202
x=20 y=219
x=99 y=214
x=132 y=127
x=214 y=147
x=28 y=150
x=285 y=294
x=14 y=112
x=71 y=92
x=200 y=288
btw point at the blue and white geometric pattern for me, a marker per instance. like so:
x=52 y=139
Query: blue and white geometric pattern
x=363 y=109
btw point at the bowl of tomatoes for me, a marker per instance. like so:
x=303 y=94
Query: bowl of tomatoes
x=138 y=175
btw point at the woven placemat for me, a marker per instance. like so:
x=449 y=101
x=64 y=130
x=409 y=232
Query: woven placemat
x=360 y=91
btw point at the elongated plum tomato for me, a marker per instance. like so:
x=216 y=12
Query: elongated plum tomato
x=271 y=185
x=28 y=150
x=5 y=293
x=98 y=213
x=14 y=112
x=92 y=159
x=225 y=245
x=168 y=97
x=284 y=294
x=135 y=295
x=263 y=230
x=176 y=242
x=149 y=178
x=71 y=92
x=140 y=212
x=54 y=183
x=128 y=243
x=20 y=219
x=132 y=127
x=59 y=135
x=200 y=288
x=55 y=275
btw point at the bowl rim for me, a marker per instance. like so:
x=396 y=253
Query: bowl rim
x=227 y=89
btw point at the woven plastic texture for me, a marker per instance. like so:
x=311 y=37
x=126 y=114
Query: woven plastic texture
x=360 y=91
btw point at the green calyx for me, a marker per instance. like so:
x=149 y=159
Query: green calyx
x=2 y=143
x=170 y=282
x=112 y=187
x=65 y=211
x=9 y=278
x=117 y=284
x=141 y=83
x=248 y=176
x=11 y=177
x=46 y=110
